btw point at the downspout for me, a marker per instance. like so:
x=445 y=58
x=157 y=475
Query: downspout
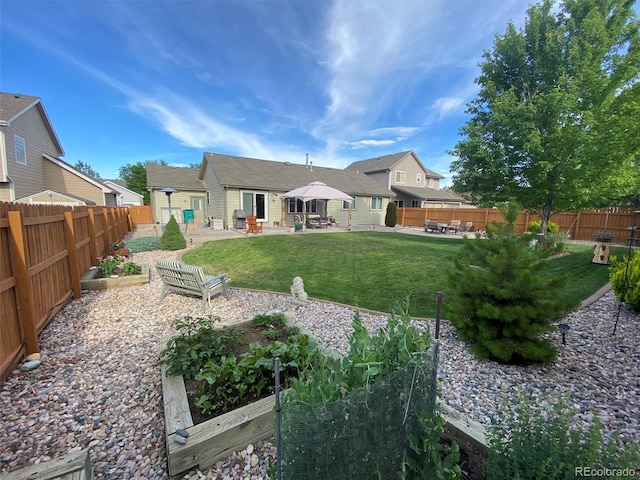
x=224 y=208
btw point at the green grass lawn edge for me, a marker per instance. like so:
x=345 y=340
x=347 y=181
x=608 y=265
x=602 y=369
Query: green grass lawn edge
x=371 y=270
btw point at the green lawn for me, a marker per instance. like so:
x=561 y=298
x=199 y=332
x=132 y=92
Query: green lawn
x=366 y=269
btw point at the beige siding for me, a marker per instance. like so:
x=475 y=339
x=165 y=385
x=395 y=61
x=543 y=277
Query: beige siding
x=43 y=198
x=61 y=180
x=216 y=207
x=410 y=166
x=29 y=178
x=180 y=201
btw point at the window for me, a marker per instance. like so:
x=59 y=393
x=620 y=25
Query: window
x=430 y=182
x=401 y=177
x=415 y=203
x=208 y=198
x=21 y=150
x=295 y=206
x=345 y=204
x=418 y=178
x=399 y=203
x=376 y=203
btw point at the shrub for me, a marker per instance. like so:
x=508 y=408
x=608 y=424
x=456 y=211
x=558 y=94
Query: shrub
x=535 y=227
x=172 y=238
x=265 y=321
x=391 y=218
x=500 y=302
x=530 y=440
x=108 y=264
x=143 y=244
x=625 y=279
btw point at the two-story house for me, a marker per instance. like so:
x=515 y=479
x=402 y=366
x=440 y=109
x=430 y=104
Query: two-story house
x=413 y=184
x=31 y=170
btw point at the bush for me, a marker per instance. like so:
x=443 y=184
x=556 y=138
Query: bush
x=391 y=218
x=500 y=301
x=532 y=440
x=143 y=244
x=535 y=227
x=625 y=279
x=172 y=238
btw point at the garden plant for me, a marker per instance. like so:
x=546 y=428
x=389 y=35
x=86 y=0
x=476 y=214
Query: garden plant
x=502 y=303
x=539 y=440
x=625 y=279
x=172 y=238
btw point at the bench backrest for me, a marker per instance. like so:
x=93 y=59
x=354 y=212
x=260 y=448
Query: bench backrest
x=181 y=275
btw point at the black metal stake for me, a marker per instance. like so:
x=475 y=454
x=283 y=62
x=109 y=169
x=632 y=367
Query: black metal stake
x=564 y=328
x=438 y=307
x=278 y=458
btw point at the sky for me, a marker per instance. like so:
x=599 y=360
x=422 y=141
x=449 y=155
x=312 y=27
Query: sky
x=126 y=81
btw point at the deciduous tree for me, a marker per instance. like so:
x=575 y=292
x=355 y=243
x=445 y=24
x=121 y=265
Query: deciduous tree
x=136 y=177
x=557 y=100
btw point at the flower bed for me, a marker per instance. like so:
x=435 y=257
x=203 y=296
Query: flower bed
x=90 y=282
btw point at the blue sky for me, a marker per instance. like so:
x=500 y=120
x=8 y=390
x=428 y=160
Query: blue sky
x=343 y=80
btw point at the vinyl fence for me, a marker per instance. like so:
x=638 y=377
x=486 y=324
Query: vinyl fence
x=44 y=251
x=582 y=225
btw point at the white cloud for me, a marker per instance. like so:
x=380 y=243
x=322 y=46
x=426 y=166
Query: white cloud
x=370 y=143
x=448 y=105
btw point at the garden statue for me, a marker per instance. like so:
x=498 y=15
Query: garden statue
x=300 y=297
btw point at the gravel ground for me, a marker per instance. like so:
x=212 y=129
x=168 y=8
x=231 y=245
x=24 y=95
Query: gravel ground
x=99 y=386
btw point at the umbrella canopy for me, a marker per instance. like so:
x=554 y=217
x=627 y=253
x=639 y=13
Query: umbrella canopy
x=319 y=191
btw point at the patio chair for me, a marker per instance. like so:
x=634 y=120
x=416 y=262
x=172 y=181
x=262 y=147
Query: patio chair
x=430 y=225
x=454 y=225
x=468 y=227
x=253 y=226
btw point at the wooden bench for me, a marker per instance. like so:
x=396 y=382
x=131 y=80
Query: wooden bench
x=73 y=466
x=190 y=279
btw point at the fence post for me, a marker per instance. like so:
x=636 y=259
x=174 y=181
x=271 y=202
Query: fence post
x=74 y=267
x=106 y=225
x=17 y=245
x=576 y=234
x=93 y=241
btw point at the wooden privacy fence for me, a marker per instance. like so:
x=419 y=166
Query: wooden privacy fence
x=582 y=225
x=44 y=251
x=140 y=215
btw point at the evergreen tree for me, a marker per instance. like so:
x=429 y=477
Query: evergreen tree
x=501 y=302
x=172 y=238
x=391 y=218
x=86 y=169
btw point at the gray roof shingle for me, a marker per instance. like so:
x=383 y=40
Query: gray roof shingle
x=180 y=178
x=387 y=162
x=242 y=172
x=427 y=193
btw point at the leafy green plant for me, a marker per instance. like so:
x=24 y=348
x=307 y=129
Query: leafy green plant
x=625 y=279
x=271 y=334
x=428 y=457
x=535 y=440
x=108 y=265
x=143 y=244
x=535 y=226
x=198 y=340
x=172 y=238
x=131 y=268
x=226 y=381
x=391 y=217
x=264 y=321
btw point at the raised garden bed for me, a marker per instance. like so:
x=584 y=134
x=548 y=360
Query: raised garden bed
x=90 y=282
x=218 y=437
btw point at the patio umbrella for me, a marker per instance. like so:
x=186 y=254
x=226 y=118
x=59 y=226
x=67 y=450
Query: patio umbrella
x=319 y=191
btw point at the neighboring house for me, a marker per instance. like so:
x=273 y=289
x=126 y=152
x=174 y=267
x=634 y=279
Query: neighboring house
x=414 y=184
x=257 y=187
x=30 y=168
x=124 y=196
x=190 y=193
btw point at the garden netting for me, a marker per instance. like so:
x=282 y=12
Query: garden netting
x=365 y=434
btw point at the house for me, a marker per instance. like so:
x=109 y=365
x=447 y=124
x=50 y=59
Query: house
x=31 y=170
x=257 y=186
x=189 y=195
x=413 y=184
x=124 y=196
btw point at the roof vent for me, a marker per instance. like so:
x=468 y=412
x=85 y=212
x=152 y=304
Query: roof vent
x=287 y=163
